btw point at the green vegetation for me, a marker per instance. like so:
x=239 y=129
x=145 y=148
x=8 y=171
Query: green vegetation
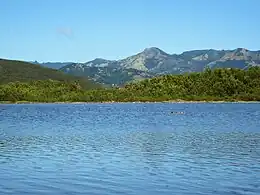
x=210 y=85
x=12 y=71
x=108 y=76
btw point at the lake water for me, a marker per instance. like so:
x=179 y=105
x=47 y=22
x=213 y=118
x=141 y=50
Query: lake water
x=128 y=148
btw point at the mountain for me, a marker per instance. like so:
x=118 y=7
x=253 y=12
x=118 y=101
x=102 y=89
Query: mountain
x=53 y=65
x=11 y=71
x=153 y=61
x=238 y=58
x=107 y=75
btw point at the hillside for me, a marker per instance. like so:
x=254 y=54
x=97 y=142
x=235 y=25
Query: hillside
x=53 y=65
x=107 y=75
x=153 y=62
x=218 y=84
x=11 y=71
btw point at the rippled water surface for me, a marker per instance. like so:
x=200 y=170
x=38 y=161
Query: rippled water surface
x=130 y=149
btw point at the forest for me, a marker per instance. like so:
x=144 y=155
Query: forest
x=210 y=85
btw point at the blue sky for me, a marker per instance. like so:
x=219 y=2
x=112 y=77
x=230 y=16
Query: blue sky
x=81 y=30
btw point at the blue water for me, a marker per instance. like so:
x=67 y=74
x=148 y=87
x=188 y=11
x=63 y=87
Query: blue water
x=130 y=149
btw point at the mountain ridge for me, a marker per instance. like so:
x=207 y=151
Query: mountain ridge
x=153 y=61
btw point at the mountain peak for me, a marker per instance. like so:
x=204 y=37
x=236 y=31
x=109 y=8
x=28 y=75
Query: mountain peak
x=99 y=60
x=241 y=50
x=154 y=51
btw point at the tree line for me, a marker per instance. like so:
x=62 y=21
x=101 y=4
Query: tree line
x=210 y=85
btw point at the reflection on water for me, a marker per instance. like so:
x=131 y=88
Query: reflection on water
x=130 y=149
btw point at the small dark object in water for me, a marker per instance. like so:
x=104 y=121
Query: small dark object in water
x=177 y=112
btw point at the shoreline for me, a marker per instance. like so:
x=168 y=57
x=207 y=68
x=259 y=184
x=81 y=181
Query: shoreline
x=133 y=102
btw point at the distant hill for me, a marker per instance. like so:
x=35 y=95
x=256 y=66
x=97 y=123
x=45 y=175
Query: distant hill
x=107 y=75
x=153 y=61
x=11 y=71
x=53 y=65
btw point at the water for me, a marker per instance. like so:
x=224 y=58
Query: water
x=130 y=149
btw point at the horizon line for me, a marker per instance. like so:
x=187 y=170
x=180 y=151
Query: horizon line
x=140 y=51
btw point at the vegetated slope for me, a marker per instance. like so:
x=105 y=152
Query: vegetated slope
x=108 y=75
x=218 y=84
x=40 y=91
x=11 y=71
x=53 y=65
x=153 y=61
